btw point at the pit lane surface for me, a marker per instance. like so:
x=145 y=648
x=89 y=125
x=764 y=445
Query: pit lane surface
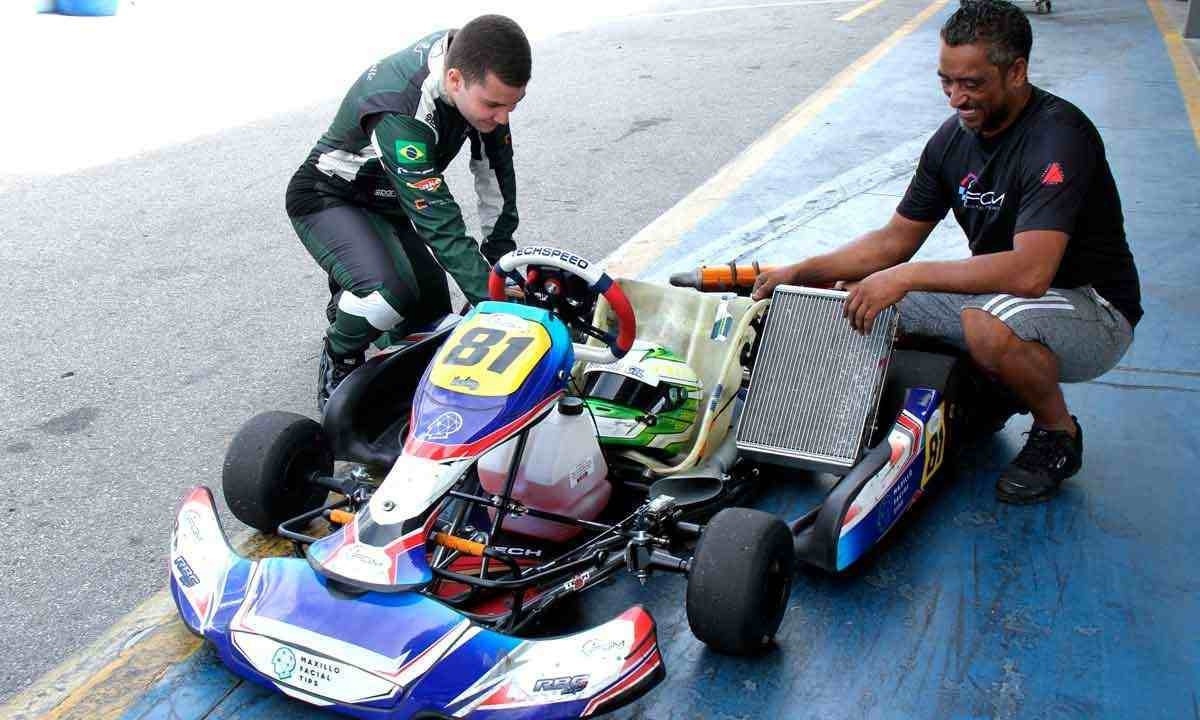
x=155 y=302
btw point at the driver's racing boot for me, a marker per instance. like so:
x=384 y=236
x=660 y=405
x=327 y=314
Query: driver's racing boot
x=333 y=370
x=1048 y=458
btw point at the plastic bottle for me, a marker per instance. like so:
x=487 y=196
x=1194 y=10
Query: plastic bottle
x=562 y=471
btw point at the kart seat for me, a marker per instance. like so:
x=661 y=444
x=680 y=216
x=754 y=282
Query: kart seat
x=693 y=325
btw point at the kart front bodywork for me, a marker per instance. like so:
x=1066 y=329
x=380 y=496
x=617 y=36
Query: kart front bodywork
x=391 y=655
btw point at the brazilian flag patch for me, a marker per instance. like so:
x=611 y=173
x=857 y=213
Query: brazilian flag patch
x=409 y=152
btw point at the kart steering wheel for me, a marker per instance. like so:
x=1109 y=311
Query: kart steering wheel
x=597 y=280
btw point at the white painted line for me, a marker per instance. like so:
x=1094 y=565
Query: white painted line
x=777 y=224
x=664 y=234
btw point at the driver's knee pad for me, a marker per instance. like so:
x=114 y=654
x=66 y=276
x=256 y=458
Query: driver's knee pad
x=373 y=307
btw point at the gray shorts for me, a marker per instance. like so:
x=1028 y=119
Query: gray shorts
x=1085 y=332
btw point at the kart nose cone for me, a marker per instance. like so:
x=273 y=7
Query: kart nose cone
x=200 y=559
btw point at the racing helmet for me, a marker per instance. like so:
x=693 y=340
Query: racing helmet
x=649 y=399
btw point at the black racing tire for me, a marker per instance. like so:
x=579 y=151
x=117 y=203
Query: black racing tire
x=269 y=466
x=740 y=579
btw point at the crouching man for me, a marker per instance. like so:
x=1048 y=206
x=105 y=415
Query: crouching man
x=1050 y=293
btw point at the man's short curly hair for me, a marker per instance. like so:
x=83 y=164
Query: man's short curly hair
x=1000 y=24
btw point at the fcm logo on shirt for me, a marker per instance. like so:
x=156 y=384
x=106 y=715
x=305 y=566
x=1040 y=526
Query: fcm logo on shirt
x=975 y=199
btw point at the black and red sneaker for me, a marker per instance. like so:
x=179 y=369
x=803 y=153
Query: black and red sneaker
x=1037 y=472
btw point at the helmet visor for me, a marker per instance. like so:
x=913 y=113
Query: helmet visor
x=623 y=390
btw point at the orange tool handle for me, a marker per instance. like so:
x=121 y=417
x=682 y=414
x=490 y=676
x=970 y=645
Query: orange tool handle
x=454 y=542
x=719 y=278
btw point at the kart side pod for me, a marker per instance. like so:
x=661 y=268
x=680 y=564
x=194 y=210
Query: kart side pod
x=278 y=623
x=865 y=504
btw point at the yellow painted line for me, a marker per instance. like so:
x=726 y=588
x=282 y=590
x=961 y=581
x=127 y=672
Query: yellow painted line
x=861 y=9
x=665 y=233
x=1186 y=72
x=104 y=679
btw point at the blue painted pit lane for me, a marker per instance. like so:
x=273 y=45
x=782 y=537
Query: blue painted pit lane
x=1087 y=606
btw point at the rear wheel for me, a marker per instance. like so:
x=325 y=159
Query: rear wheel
x=740 y=580
x=269 y=467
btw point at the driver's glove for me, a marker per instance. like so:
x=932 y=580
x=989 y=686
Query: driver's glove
x=493 y=250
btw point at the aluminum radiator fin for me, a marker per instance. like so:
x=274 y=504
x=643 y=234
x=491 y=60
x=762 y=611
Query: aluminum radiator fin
x=816 y=383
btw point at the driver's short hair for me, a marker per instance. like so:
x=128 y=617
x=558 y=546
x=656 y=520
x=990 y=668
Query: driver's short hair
x=491 y=43
x=1000 y=24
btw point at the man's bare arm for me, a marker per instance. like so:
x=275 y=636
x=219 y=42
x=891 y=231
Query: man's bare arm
x=1025 y=271
x=889 y=245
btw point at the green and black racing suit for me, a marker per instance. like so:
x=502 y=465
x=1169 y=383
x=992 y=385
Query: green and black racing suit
x=370 y=200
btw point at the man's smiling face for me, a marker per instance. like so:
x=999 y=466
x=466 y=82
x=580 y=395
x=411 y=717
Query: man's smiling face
x=987 y=97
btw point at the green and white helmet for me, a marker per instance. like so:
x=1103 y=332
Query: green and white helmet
x=648 y=399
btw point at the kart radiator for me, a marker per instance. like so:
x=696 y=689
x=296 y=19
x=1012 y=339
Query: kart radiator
x=816 y=383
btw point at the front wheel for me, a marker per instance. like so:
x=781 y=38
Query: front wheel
x=269 y=467
x=740 y=579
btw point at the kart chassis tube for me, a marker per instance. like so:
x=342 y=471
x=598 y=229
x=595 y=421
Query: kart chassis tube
x=603 y=553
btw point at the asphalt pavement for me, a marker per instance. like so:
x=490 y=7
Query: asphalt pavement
x=155 y=302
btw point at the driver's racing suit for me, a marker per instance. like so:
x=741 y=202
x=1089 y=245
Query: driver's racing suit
x=370 y=200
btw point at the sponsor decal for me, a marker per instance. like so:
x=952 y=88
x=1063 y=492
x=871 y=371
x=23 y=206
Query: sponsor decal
x=432 y=184
x=385 y=193
x=935 y=444
x=309 y=671
x=468 y=382
x=401 y=170
x=187 y=576
x=283 y=663
x=973 y=198
x=371 y=72
x=305 y=669
x=313 y=671
x=358 y=553
x=191 y=521
x=411 y=152
x=420 y=203
x=722 y=321
x=576 y=583
x=568 y=685
x=1053 y=174
x=443 y=426
x=602 y=646
x=518 y=551
x=569 y=258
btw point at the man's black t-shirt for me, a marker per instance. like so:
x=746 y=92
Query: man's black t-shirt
x=1047 y=171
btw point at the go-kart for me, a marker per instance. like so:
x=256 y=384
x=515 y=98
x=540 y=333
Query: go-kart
x=496 y=503
x=476 y=498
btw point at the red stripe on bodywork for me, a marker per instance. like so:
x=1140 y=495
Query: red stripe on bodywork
x=653 y=661
x=430 y=450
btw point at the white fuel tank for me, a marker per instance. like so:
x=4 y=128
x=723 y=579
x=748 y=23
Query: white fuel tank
x=562 y=471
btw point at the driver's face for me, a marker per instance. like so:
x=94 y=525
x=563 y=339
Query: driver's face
x=486 y=104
